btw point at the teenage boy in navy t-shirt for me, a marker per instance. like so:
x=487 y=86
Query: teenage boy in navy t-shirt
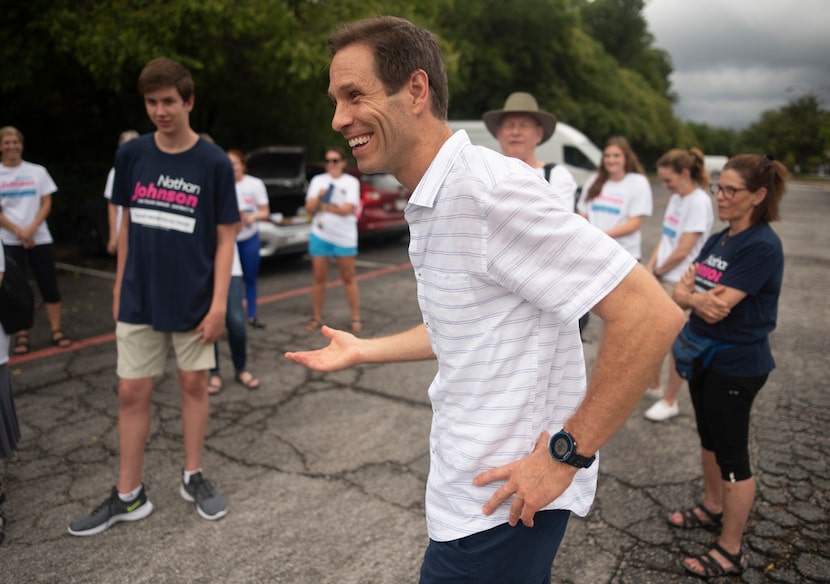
x=175 y=249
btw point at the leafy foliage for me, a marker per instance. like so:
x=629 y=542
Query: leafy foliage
x=260 y=68
x=796 y=134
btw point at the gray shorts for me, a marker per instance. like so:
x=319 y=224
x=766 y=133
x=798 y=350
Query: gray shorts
x=142 y=351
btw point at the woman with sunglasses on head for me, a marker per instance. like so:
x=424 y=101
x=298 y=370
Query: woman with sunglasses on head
x=333 y=197
x=732 y=290
x=618 y=196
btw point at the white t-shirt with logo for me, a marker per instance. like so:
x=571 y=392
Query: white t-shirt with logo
x=250 y=194
x=684 y=214
x=21 y=189
x=336 y=229
x=617 y=202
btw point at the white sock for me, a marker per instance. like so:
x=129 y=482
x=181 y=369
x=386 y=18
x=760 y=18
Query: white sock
x=190 y=473
x=131 y=496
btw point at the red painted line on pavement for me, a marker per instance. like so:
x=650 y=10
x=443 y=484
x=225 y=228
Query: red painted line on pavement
x=109 y=337
x=75 y=346
x=332 y=284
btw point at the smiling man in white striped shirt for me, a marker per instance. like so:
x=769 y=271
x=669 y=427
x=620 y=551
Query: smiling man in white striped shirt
x=503 y=276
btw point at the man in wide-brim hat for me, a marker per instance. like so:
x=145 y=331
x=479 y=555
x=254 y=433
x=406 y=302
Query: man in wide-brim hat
x=520 y=127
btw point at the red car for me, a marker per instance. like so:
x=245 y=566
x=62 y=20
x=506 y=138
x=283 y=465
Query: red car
x=382 y=201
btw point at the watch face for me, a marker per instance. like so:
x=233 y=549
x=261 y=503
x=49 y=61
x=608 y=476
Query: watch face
x=561 y=447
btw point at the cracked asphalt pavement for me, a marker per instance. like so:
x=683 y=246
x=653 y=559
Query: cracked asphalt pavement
x=325 y=473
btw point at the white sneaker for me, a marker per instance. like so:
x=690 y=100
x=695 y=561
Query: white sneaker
x=654 y=392
x=661 y=410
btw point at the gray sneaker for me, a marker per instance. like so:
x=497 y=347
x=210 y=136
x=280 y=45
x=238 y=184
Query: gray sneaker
x=209 y=502
x=110 y=512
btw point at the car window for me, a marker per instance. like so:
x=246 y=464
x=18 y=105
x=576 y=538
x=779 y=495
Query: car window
x=575 y=157
x=276 y=165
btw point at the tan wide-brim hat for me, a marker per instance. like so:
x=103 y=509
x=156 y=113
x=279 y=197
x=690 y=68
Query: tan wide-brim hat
x=521 y=103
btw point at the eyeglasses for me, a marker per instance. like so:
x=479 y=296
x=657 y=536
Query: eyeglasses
x=728 y=192
x=333 y=160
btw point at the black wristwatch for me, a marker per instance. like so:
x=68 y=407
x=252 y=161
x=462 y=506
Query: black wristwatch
x=563 y=449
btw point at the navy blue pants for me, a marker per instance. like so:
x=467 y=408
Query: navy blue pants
x=503 y=554
x=235 y=323
x=249 y=257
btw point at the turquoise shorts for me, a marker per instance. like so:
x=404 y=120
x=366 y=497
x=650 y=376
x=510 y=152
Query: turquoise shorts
x=321 y=248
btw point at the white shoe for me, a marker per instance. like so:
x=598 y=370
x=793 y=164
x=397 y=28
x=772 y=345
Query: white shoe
x=654 y=392
x=661 y=410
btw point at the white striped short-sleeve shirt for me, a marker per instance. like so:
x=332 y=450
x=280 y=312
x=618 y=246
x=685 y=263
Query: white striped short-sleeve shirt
x=503 y=275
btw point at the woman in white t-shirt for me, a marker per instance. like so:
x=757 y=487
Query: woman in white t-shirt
x=252 y=197
x=686 y=225
x=333 y=197
x=25 y=201
x=618 y=196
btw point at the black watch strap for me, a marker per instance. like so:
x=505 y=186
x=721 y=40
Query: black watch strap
x=563 y=449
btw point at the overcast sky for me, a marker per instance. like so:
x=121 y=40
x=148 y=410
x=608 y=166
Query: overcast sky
x=733 y=59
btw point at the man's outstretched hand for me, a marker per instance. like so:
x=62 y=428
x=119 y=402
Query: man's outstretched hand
x=340 y=353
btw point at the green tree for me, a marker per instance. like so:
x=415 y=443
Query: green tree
x=540 y=46
x=621 y=28
x=713 y=140
x=261 y=72
x=795 y=134
x=259 y=67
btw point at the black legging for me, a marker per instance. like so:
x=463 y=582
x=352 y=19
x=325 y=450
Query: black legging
x=42 y=262
x=722 y=406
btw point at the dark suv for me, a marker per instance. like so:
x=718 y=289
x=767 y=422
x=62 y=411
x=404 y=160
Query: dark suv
x=283 y=170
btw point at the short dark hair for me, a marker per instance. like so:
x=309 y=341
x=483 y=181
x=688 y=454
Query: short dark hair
x=164 y=72
x=400 y=48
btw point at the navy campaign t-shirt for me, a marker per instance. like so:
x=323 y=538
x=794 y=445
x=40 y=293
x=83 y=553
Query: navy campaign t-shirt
x=751 y=261
x=175 y=202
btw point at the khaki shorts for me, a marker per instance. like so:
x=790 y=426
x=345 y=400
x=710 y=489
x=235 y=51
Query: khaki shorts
x=142 y=351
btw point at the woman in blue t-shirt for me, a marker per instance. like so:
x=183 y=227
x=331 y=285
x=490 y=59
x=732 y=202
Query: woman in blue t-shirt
x=732 y=290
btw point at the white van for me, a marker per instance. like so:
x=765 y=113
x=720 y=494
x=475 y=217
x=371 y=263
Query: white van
x=567 y=146
x=714 y=165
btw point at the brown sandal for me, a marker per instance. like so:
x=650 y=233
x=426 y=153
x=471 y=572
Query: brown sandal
x=313 y=325
x=214 y=384
x=689 y=518
x=710 y=567
x=59 y=339
x=21 y=344
x=247 y=379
